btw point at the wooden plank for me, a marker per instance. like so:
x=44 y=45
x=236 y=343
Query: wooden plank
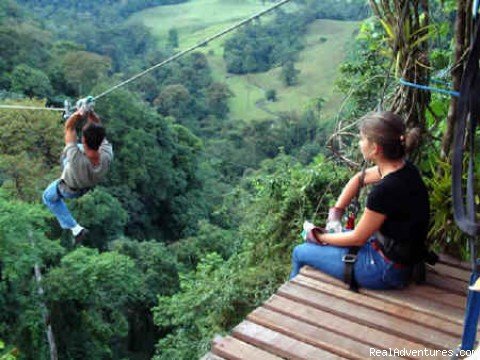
x=367 y=335
x=310 y=334
x=279 y=344
x=370 y=317
x=442 y=312
x=234 y=349
x=455 y=286
x=412 y=307
x=451 y=261
x=450 y=271
x=210 y=356
x=435 y=294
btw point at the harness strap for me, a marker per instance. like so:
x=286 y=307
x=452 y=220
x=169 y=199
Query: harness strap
x=349 y=260
x=59 y=193
x=75 y=190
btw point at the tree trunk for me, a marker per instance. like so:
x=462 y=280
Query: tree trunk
x=461 y=45
x=46 y=317
x=45 y=313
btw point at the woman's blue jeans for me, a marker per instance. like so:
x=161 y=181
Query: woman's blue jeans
x=53 y=198
x=372 y=271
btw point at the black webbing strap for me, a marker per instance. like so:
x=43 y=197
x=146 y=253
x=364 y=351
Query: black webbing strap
x=59 y=194
x=464 y=208
x=73 y=190
x=350 y=258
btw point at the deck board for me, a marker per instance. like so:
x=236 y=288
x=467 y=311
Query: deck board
x=452 y=272
x=233 y=349
x=331 y=322
x=278 y=343
x=310 y=334
x=367 y=316
x=411 y=301
x=314 y=316
x=455 y=286
x=211 y=356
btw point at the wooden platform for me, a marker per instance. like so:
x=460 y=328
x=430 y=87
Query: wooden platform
x=314 y=316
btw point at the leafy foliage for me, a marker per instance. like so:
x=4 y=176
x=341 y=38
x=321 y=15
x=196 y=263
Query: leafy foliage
x=159 y=277
x=209 y=238
x=443 y=230
x=289 y=73
x=102 y=215
x=253 y=49
x=88 y=295
x=261 y=46
x=83 y=70
x=23 y=244
x=195 y=224
x=219 y=293
x=92 y=7
x=31 y=82
x=363 y=74
x=30 y=144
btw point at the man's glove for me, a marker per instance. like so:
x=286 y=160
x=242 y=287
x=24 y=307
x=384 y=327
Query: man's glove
x=85 y=105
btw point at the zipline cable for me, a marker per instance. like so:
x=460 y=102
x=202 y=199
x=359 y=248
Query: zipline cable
x=162 y=63
x=19 y=107
x=190 y=49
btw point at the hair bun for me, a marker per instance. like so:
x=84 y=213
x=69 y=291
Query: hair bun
x=412 y=139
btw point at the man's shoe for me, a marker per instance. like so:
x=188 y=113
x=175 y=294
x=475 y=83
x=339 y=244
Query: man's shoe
x=80 y=236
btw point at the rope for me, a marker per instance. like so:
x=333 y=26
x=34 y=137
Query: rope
x=20 y=107
x=429 y=88
x=190 y=49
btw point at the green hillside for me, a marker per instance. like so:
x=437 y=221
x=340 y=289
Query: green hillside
x=317 y=63
x=197 y=19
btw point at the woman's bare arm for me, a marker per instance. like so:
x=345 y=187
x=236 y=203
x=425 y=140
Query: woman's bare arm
x=372 y=175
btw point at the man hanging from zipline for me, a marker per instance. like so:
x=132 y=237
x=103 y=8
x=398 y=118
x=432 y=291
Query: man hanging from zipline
x=84 y=166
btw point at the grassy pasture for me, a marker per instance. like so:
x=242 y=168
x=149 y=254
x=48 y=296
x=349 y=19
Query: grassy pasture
x=318 y=62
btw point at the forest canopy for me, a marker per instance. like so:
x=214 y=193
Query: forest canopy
x=194 y=225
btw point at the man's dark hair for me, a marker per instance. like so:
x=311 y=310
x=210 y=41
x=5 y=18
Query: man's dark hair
x=94 y=135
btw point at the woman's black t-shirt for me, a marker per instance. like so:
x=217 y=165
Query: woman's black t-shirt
x=403 y=198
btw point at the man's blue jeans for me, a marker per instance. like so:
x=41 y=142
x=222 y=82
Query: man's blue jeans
x=372 y=271
x=53 y=198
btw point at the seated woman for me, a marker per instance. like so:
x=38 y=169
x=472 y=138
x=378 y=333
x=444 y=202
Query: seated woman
x=392 y=231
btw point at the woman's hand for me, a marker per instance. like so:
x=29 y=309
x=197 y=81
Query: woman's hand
x=369 y=223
